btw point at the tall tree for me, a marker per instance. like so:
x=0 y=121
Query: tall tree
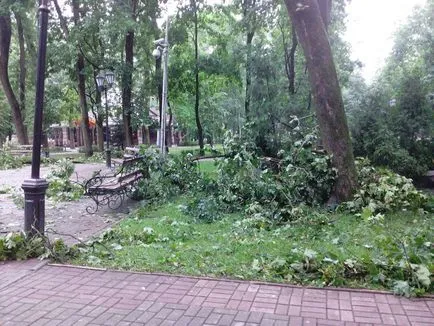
x=249 y=18
x=312 y=34
x=81 y=81
x=5 y=43
x=127 y=79
x=195 y=9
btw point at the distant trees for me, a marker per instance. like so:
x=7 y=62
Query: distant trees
x=392 y=120
x=15 y=98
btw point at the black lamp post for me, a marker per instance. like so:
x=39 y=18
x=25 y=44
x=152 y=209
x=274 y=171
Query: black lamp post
x=104 y=82
x=34 y=188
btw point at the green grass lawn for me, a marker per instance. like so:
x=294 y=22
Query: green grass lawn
x=193 y=149
x=326 y=249
x=208 y=168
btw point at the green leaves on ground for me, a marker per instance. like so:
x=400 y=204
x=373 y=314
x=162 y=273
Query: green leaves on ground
x=60 y=187
x=320 y=249
x=382 y=191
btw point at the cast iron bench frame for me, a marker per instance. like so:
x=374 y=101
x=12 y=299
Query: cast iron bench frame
x=111 y=189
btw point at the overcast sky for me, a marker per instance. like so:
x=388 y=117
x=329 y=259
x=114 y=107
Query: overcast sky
x=370 y=28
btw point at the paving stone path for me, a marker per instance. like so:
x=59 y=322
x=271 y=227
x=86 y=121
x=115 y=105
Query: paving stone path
x=67 y=220
x=62 y=295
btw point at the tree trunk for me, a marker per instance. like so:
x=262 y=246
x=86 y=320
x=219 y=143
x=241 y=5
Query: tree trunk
x=327 y=97
x=196 y=72
x=290 y=62
x=100 y=135
x=71 y=138
x=147 y=136
x=63 y=22
x=127 y=85
x=81 y=80
x=45 y=145
x=128 y=79
x=5 y=42
x=23 y=68
x=169 y=128
x=249 y=41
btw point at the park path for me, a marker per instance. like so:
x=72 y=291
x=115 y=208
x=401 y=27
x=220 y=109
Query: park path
x=65 y=295
x=66 y=220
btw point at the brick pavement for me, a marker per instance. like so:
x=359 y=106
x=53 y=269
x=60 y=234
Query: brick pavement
x=61 y=295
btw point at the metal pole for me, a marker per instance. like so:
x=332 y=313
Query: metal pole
x=160 y=93
x=34 y=188
x=165 y=81
x=107 y=132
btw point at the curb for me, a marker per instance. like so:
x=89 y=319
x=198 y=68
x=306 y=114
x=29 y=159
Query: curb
x=208 y=278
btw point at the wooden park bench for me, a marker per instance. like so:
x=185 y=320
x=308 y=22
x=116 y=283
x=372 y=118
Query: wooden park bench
x=26 y=150
x=111 y=189
x=129 y=152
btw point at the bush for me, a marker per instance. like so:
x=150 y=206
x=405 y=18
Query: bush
x=8 y=161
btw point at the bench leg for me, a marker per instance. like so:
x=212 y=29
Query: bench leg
x=112 y=200
x=92 y=209
x=115 y=200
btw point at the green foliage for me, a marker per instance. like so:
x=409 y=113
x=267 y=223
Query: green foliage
x=17 y=195
x=7 y=160
x=17 y=246
x=166 y=176
x=301 y=175
x=307 y=174
x=60 y=187
x=382 y=191
x=205 y=209
x=318 y=248
x=392 y=121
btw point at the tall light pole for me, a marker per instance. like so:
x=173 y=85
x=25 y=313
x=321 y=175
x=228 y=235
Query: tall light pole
x=163 y=46
x=34 y=188
x=105 y=82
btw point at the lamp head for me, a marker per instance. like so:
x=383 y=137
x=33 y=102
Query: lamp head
x=100 y=80
x=110 y=78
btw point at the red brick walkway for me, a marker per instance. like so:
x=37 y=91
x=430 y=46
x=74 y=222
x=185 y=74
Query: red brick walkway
x=54 y=295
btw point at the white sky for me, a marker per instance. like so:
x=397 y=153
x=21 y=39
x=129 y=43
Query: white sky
x=370 y=28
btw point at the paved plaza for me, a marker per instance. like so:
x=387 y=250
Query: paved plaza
x=40 y=294
x=66 y=220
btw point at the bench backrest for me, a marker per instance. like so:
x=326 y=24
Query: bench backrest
x=133 y=166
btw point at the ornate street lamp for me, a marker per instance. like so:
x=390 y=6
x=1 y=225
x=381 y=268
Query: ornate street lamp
x=34 y=188
x=162 y=51
x=105 y=82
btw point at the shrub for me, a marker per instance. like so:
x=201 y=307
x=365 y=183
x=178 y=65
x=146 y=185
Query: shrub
x=8 y=161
